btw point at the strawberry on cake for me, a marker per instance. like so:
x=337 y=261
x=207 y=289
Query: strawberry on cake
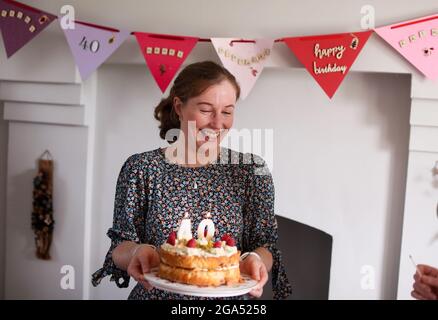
x=202 y=261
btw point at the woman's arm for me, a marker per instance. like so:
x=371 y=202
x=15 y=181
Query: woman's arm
x=136 y=259
x=122 y=254
x=266 y=257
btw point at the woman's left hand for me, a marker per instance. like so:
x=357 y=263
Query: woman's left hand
x=256 y=269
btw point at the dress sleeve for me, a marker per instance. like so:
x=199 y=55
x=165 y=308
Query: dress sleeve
x=130 y=207
x=260 y=224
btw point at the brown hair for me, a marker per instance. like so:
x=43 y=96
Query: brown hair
x=192 y=81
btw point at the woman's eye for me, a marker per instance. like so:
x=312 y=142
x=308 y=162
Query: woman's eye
x=227 y=113
x=205 y=111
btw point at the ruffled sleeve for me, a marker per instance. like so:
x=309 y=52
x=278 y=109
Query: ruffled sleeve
x=260 y=224
x=130 y=207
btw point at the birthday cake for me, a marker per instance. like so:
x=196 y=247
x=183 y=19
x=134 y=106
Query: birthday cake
x=202 y=261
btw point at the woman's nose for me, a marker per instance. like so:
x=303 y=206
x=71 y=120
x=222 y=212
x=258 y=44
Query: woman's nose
x=216 y=121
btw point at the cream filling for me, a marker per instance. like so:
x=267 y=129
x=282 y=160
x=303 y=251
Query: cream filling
x=233 y=266
x=230 y=267
x=226 y=251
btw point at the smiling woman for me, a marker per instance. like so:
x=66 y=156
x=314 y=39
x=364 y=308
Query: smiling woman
x=156 y=189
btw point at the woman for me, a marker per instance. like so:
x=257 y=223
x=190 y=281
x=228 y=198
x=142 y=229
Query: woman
x=194 y=174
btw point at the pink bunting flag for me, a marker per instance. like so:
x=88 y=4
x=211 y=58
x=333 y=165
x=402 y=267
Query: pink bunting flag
x=245 y=59
x=164 y=54
x=417 y=41
x=20 y=23
x=91 y=45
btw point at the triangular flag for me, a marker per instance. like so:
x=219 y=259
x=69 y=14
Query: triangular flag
x=164 y=54
x=20 y=23
x=328 y=58
x=245 y=59
x=417 y=41
x=91 y=45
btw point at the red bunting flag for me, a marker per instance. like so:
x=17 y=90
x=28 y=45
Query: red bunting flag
x=20 y=23
x=164 y=54
x=417 y=41
x=328 y=58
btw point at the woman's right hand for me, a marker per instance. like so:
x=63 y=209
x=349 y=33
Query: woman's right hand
x=144 y=259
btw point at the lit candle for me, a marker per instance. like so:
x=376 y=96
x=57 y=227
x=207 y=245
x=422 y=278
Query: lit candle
x=185 y=229
x=206 y=223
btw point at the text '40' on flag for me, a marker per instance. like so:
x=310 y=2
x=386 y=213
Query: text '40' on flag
x=328 y=58
x=91 y=45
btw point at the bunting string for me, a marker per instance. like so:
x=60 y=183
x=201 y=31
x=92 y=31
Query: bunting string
x=328 y=58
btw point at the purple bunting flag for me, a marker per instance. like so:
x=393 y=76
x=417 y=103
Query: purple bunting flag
x=91 y=45
x=20 y=23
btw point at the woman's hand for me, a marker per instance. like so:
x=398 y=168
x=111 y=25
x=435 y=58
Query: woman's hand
x=144 y=259
x=425 y=286
x=256 y=269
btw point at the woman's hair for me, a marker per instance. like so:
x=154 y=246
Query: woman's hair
x=192 y=81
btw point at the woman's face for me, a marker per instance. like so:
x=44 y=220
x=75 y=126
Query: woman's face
x=212 y=112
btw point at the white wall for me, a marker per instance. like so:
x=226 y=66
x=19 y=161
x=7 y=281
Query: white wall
x=124 y=125
x=3 y=160
x=339 y=166
x=28 y=277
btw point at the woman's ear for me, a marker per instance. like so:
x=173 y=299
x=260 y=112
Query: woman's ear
x=177 y=105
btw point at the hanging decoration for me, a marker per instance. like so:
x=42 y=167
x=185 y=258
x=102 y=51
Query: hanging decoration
x=244 y=59
x=164 y=54
x=91 y=45
x=417 y=41
x=20 y=23
x=328 y=58
x=42 y=213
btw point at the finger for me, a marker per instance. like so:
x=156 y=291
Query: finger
x=146 y=284
x=155 y=260
x=243 y=266
x=417 y=296
x=144 y=261
x=431 y=281
x=428 y=270
x=134 y=270
x=255 y=271
x=421 y=288
x=263 y=275
x=256 y=292
x=424 y=290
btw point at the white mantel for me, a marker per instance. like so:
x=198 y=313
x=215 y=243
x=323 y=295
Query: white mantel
x=46 y=106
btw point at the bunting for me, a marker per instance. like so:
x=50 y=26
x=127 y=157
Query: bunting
x=244 y=59
x=20 y=23
x=164 y=54
x=91 y=45
x=417 y=41
x=328 y=58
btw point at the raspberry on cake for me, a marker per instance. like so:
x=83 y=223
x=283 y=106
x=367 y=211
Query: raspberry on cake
x=202 y=261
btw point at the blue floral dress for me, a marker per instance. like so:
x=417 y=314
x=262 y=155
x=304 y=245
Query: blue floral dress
x=152 y=195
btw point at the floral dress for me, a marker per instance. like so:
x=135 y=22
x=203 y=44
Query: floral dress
x=152 y=195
